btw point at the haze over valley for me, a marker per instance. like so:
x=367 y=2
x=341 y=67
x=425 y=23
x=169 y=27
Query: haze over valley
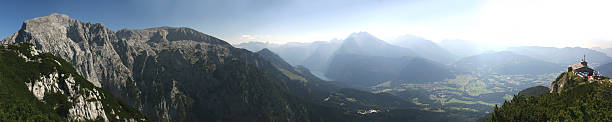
x=305 y=61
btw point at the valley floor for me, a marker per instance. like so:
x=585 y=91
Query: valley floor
x=467 y=96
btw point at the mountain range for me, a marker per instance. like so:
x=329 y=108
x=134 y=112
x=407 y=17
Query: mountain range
x=506 y=63
x=179 y=74
x=563 y=56
x=57 y=69
x=168 y=73
x=425 y=48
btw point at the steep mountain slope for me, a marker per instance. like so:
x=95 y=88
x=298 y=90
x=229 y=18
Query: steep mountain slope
x=302 y=83
x=563 y=56
x=534 y=91
x=506 y=63
x=319 y=60
x=299 y=80
x=425 y=48
x=579 y=100
x=172 y=74
x=256 y=46
x=41 y=87
x=369 y=106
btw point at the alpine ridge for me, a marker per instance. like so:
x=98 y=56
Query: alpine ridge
x=169 y=73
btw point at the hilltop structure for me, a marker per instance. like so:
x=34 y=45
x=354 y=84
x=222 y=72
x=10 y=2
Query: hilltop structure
x=583 y=70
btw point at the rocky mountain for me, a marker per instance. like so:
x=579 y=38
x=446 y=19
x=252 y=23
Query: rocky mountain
x=506 y=63
x=319 y=60
x=564 y=56
x=294 y=52
x=38 y=86
x=171 y=74
x=425 y=48
x=299 y=80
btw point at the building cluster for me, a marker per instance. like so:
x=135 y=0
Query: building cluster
x=583 y=70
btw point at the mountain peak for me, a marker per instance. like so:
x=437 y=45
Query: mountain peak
x=57 y=19
x=364 y=39
x=57 y=15
x=169 y=34
x=265 y=51
x=361 y=35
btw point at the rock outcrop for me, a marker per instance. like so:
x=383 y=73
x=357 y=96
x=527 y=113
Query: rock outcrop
x=51 y=80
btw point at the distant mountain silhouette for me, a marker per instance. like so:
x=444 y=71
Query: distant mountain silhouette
x=425 y=48
x=563 y=56
x=363 y=43
x=370 y=70
x=506 y=63
x=605 y=69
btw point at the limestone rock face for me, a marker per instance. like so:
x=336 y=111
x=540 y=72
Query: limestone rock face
x=566 y=81
x=168 y=73
x=80 y=99
x=87 y=106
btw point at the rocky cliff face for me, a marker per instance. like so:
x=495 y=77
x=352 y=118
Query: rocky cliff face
x=82 y=109
x=566 y=81
x=52 y=81
x=169 y=74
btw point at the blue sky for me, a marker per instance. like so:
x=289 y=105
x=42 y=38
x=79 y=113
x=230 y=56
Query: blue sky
x=518 y=22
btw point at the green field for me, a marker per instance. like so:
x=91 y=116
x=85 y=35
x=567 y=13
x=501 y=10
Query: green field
x=467 y=96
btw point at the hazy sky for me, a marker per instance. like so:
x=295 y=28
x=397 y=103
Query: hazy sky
x=556 y=23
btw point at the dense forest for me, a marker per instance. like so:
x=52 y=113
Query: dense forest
x=579 y=101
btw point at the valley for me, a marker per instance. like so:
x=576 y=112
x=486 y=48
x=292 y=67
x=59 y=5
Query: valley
x=467 y=96
x=305 y=61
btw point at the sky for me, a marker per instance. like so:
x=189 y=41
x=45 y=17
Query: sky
x=552 y=23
